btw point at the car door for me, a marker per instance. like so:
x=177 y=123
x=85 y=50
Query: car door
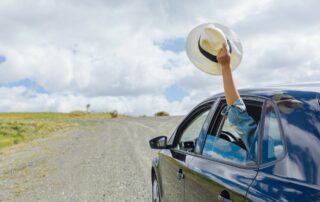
x=223 y=171
x=173 y=161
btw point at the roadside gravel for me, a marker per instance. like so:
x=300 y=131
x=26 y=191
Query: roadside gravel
x=106 y=160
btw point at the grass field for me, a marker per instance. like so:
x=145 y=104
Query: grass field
x=23 y=127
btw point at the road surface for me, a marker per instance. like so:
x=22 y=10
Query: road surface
x=103 y=160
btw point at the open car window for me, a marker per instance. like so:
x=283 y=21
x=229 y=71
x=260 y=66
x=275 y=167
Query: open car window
x=226 y=143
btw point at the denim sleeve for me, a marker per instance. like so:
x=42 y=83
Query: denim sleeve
x=241 y=120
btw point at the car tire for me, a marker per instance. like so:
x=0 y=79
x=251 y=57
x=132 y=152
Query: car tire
x=155 y=190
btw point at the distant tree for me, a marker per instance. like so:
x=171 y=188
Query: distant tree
x=162 y=113
x=88 y=106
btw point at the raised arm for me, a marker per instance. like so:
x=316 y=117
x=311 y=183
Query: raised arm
x=230 y=89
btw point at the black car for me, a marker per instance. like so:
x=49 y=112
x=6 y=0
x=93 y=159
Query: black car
x=204 y=159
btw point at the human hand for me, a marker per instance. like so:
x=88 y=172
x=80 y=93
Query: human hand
x=223 y=57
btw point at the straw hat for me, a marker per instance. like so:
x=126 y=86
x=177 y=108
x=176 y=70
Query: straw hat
x=204 y=43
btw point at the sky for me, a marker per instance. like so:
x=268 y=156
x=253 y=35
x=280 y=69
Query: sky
x=130 y=56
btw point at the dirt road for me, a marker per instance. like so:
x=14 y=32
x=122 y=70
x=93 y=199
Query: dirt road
x=100 y=161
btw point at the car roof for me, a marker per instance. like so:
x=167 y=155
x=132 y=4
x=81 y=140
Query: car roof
x=295 y=90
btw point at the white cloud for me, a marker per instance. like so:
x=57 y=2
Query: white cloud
x=18 y=99
x=105 y=52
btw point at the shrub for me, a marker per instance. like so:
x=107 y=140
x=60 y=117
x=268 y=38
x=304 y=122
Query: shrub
x=114 y=114
x=161 y=113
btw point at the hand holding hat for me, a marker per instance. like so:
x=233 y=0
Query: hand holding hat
x=223 y=57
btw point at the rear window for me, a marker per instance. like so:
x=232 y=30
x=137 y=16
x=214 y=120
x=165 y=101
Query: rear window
x=272 y=145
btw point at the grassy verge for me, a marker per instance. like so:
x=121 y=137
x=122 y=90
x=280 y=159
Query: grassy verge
x=15 y=132
x=23 y=127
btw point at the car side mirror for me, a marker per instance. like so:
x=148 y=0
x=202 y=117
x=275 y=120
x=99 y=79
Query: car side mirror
x=158 y=142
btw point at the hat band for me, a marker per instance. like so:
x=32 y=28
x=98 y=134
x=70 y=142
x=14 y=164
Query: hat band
x=209 y=56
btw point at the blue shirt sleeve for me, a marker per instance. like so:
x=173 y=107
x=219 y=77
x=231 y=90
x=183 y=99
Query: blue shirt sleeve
x=241 y=120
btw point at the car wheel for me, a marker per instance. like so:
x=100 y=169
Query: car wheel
x=155 y=190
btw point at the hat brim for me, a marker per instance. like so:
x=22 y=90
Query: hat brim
x=202 y=62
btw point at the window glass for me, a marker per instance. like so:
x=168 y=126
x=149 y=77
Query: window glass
x=191 y=132
x=227 y=145
x=272 y=147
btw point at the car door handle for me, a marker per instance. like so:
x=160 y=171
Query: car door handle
x=223 y=199
x=180 y=175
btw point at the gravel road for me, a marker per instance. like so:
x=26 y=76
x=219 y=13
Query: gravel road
x=105 y=160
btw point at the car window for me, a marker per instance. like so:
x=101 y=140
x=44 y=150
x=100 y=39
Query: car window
x=226 y=143
x=272 y=146
x=191 y=132
x=228 y=146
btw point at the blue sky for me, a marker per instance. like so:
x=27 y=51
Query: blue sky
x=2 y=59
x=176 y=45
x=175 y=93
x=27 y=83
